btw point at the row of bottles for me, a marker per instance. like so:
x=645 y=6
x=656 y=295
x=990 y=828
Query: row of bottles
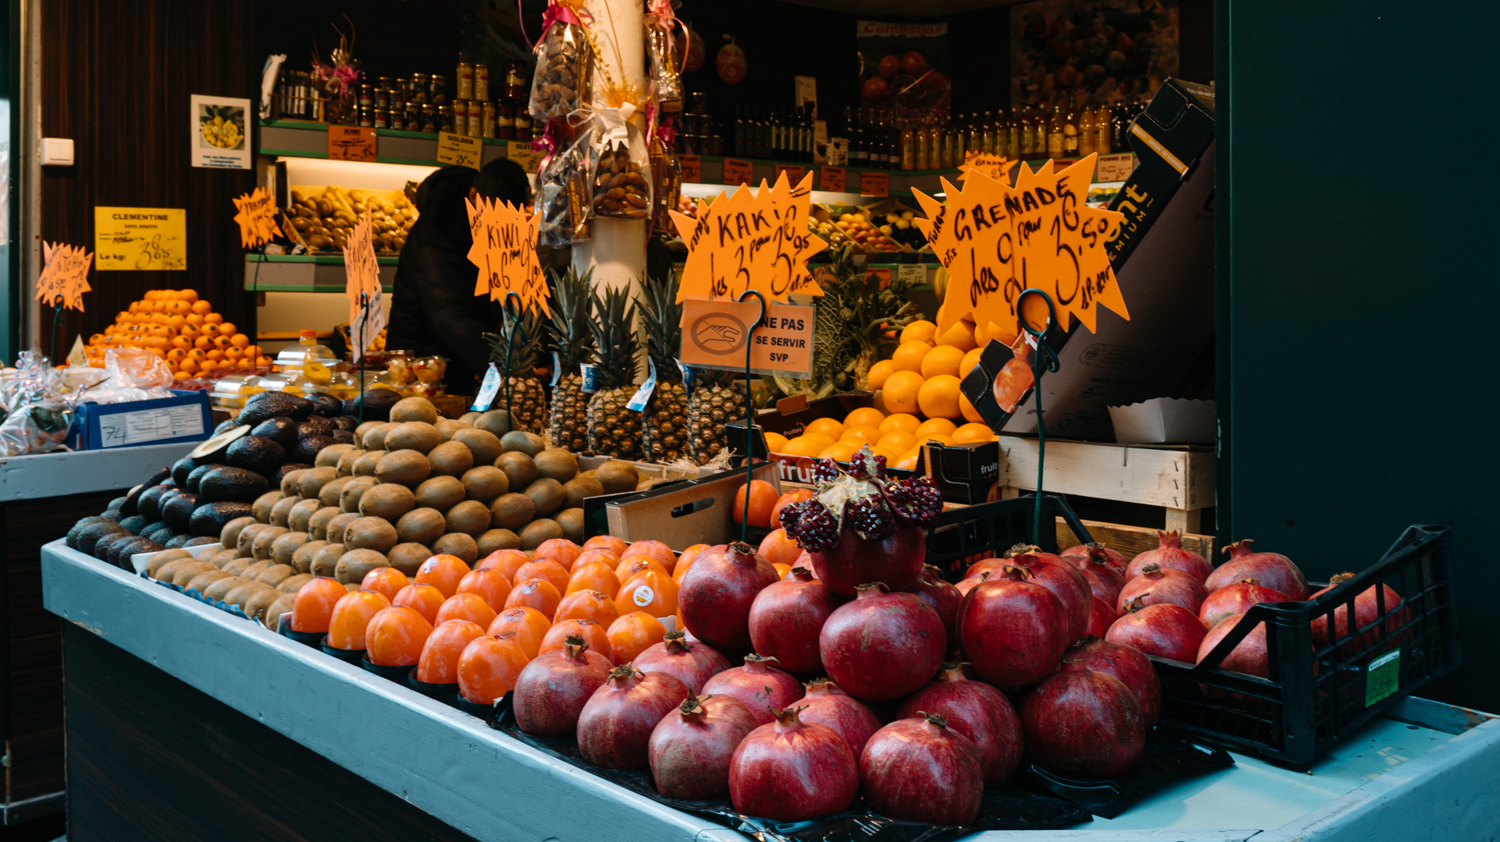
x=773 y=133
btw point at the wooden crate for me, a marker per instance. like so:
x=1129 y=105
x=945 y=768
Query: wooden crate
x=1130 y=541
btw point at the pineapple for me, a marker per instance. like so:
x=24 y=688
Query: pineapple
x=526 y=392
x=718 y=396
x=574 y=341
x=613 y=428
x=664 y=433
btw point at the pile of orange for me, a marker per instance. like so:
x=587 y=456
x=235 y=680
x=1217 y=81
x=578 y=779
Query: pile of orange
x=182 y=329
x=898 y=437
x=923 y=374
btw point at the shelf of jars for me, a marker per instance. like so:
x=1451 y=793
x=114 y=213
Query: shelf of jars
x=298 y=139
x=306 y=273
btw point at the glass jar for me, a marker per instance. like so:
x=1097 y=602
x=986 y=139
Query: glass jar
x=505 y=120
x=366 y=97
x=482 y=82
x=523 y=122
x=438 y=91
x=367 y=118
x=382 y=97
x=464 y=76
x=458 y=118
x=489 y=120
x=430 y=121
x=398 y=120
x=515 y=81
x=476 y=118
x=382 y=118
x=417 y=91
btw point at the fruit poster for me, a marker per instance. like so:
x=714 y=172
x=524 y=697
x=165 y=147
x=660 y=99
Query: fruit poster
x=1116 y=49
x=904 y=68
x=221 y=133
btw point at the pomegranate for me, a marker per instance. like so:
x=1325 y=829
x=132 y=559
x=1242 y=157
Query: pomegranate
x=1063 y=579
x=1236 y=599
x=942 y=597
x=968 y=584
x=1248 y=656
x=789 y=771
x=691 y=746
x=825 y=704
x=882 y=645
x=983 y=565
x=715 y=597
x=1127 y=664
x=1170 y=555
x=1101 y=617
x=762 y=687
x=1366 y=613
x=979 y=712
x=921 y=770
x=861 y=527
x=1011 y=629
x=1272 y=570
x=786 y=617
x=691 y=663
x=1166 y=631
x=551 y=691
x=1105 y=580
x=614 y=727
x=1098 y=552
x=1155 y=585
x=1083 y=723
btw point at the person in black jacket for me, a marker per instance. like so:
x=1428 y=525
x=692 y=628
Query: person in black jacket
x=434 y=309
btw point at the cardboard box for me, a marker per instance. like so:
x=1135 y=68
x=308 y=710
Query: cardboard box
x=964 y=473
x=684 y=513
x=1164 y=421
x=184 y=417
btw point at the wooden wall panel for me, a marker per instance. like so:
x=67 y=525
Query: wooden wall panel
x=117 y=78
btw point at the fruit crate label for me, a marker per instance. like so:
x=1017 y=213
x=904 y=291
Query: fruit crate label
x=692 y=168
x=715 y=331
x=874 y=184
x=1382 y=677
x=459 y=150
x=351 y=143
x=831 y=179
x=737 y=171
x=123 y=429
x=642 y=395
x=140 y=239
x=487 y=390
x=793 y=172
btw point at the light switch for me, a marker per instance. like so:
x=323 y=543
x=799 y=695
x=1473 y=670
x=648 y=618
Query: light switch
x=57 y=152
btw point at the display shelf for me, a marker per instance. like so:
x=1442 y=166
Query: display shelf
x=325 y=259
x=307 y=273
x=291 y=139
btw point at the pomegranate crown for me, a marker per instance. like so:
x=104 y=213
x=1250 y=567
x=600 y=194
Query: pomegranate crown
x=822 y=685
x=862 y=499
x=1150 y=568
x=1239 y=548
x=1172 y=539
x=675 y=641
x=692 y=705
x=934 y=719
x=787 y=717
x=624 y=672
x=1098 y=553
x=1022 y=550
x=1138 y=603
x=574 y=646
x=760 y=662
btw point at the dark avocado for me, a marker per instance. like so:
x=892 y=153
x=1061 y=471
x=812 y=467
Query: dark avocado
x=180 y=470
x=210 y=519
x=316 y=425
x=121 y=550
x=343 y=437
x=258 y=454
x=116 y=503
x=178 y=542
x=286 y=469
x=308 y=447
x=213 y=450
x=90 y=535
x=374 y=405
x=196 y=476
x=111 y=514
x=346 y=422
x=177 y=512
x=149 y=503
x=101 y=546
x=280 y=429
x=129 y=506
x=72 y=537
x=327 y=406
x=263 y=405
x=229 y=484
x=133 y=524
x=162 y=534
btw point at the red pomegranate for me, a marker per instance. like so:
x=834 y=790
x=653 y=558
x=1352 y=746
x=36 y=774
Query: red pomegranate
x=934 y=590
x=1271 y=570
x=1083 y=723
x=1366 y=613
x=1248 y=656
x=1097 y=551
x=786 y=617
x=968 y=584
x=551 y=691
x=789 y=771
x=1127 y=664
x=1063 y=579
x=762 y=687
x=1101 y=617
x=861 y=527
x=921 y=770
x=691 y=746
x=691 y=663
x=1156 y=585
x=984 y=565
x=716 y=594
x=1166 y=631
x=1011 y=629
x=882 y=645
x=825 y=704
x=979 y=712
x=614 y=728
x=1170 y=556
x=1236 y=599
x=1105 y=581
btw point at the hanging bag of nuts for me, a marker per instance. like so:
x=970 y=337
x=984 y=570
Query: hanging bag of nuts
x=622 y=172
x=666 y=80
x=563 y=196
x=564 y=61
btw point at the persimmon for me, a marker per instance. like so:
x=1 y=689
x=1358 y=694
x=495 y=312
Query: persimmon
x=395 y=636
x=505 y=561
x=488 y=666
x=597 y=556
x=425 y=598
x=587 y=605
x=686 y=560
x=535 y=593
x=635 y=564
x=633 y=634
x=796 y=495
x=652 y=549
x=605 y=542
x=490 y=585
x=351 y=615
x=386 y=581
x=781 y=569
x=762 y=500
x=528 y=624
x=544 y=568
x=560 y=550
x=465 y=606
x=439 y=661
x=780 y=548
x=312 y=611
x=443 y=572
x=594 y=576
x=593 y=633
x=650 y=591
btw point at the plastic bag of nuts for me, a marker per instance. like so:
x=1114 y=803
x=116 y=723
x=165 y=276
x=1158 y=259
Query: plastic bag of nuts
x=622 y=171
x=563 y=63
x=563 y=197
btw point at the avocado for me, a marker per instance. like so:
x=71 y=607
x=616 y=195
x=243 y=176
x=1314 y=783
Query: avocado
x=179 y=510
x=228 y=484
x=129 y=506
x=282 y=471
x=71 y=539
x=342 y=436
x=316 y=424
x=133 y=524
x=161 y=534
x=149 y=503
x=263 y=405
x=280 y=429
x=178 y=542
x=90 y=535
x=101 y=547
x=209 y=519
x=373 y=405
x=308 y=446
x=180 y=470
x=195 y=477
x=326 y=406
x=225 y=426
x=346 y=422
x=116 y=503
x=213 y=450
x=258 y=454
x=111 y=514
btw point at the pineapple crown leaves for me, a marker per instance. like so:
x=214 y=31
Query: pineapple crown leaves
x=661 y=316
x=612 y=325
x=524 y=351
x=568 y=322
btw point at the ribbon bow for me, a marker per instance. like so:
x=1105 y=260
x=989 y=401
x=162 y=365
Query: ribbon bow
x=558 y=11
x=344 y=75
x=613 y=122
x=546 y=144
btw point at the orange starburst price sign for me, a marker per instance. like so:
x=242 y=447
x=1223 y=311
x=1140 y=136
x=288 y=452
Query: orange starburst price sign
x=505 y=251
x=994 y=166
x=65 y=277
x=997 y=241
x=256 y=218
x=751 y=241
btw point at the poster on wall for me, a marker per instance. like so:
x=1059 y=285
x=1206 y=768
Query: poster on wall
x=904 y=70
x=221 y=137
x=1106 y=51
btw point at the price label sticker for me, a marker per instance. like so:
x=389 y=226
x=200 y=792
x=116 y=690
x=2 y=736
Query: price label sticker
x=459 y=150
x=487 y=390
x=692 y=168
x=642 y=596
x=123 y=429
x=1115 y=167
x=140 y=239
x=874 y=184
x=556 y=369
x=1382 y=677
x=589 y=373
x=831 y=179
x=521 y=152
x=737 y=171
x=351 y=143
x=642 y=395
x=793 y=172
x=914 y=273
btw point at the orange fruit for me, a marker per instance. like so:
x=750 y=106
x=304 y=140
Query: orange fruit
x=202 y=308
x=312 y=610
x=898 y=440
x=780 y=548
x=443 y=572
x=176 y=355
x=652 y=549
x=213 y=318
x=944 y=359
x=594 y=633
x=860 y=433
x=649 y=591
x=820 y=438
x=535 y=593
x=351 y=615
x=176 y=323
x=439 y=661
x=841 y=451
x=544 y=568
x=803 y=446
x=934 y=426
x=684 y=562
x=866 y=415
x=177 y=307
x=878 y=374
x=970 y=360
x=507 y=562
x=239 y=340
x=386 y=581
x=193 y=320
x=560 y=550
x=908 y=460
x=181 y=375
x=228 y=329
x=830 y=427
x=189 y=366
x=938 y=397
x=465 y=606
x=594 y=576
x=605 y=542
x=960 y=336
x=425 y=598
x=796 y=495
x=188 y=295
x=631 y=566
x=203 y=343
x=969 y=412
x=633 y=634
x=920 y=330
x=900 y=392
x=395 y=637
x=587 y=605
x=488 y=667
x=775 y=442
x=909 y=356
x=221 y=342
x=974 y=432
x=898 y=421
x=215 y=355
x=762 y=498
x=527 y=624
x=489 y=585
x=232 y=354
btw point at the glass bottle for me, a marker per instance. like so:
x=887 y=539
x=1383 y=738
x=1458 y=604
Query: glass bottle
x=975 y=141
x=1086 y=131
x=1070 y=130
x=986 y=132
x=1055 y=145
x=739 y=131
x=1103 y=129
x=1013 y=135
x=859 y=156
x=1024 y=148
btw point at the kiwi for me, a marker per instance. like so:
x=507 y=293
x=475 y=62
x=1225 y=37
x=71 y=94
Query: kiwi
x=484 y=445
x=511 y=511
x=547 y=494
x=335 y=531
x=330 y=456
x=255 y=607
x=263 y=504
x=246 y=538
x=302 y=559
x=374 y=437
x=354 y=492
x=496 y=422
x=446 y=427
x=201 y=582
x=556 y=463
x=518 y=467
x=459 y=544
x=497 y=539
x=519 y=440
x=365 y=465
x=291 y=481
x=240 y=595
x=231 y=532
x=222 y=557
x=312 y=482
x=317 y=525
x=332 y=490
x=283 y=509
x=370 y=533
x=413 y=435
x=485 y=483
x=579 y=488
x=217 y=590
x=364 y=427
x=540 y=530
x=406 y=467
x=346 y=462
x=414 y=409
x=387 y=501
x=166 y=570
x=408 y=557
x=261 y=548
x=356 y=563
x=298 y=517
x=276 y=574
x=326 y=562
x=441 y=493
x=571 y=523
x=469 y=418
x=292 y=584
x=470 y=517
x=450 y=459
x=617 y=476
x=237 y=566
x=272 y=618
x=285 y=546
x=424 y=525
x=184 y=573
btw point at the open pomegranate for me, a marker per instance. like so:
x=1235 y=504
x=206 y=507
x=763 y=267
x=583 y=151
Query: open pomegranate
x=1236 y=599
x=758 y=684
x=826 y=704
x=1098 y=552
x=979 y=712
x=1271 y=570
x=1064 y=580
x=614 y=727
x=690 y=748
x=551 y=691
x=1125 y=663
x=1155 y=585
x=717 y=592
x=1011 y=629
x=882 y=645
x=921 y=770
x=1083 y=723
x=861 y=527
x=1101 y=617
x=944 y=598
x=786 y=617
x=691 y=663
x=1366 y=613
x=790 y=771
x=1166 y=631
x=1170 y=555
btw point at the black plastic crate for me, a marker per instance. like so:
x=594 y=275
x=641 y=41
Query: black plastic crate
x=963 y=536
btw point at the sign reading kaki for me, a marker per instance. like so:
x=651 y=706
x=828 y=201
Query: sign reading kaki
x=140 y=239
x=997 y=241
x=994 y=166
x=750 y=240
x=65 y=278
x=257 y=218
x=714 y=333
x=505 y=251
x=362 y=286
x=459 y=150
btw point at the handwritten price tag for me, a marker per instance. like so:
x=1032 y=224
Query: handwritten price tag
x=257 y=218
x=692 y=168
x=505 y=251
x=362 y=286
x=994 y=166
x=351 y=143
x=522 y=153
x=65 y=278
x=738 y=172
x=459 y=150
x=873 y=184
x=793 y=172
x=831 y=179
x=140 y=239
x=1115 y=167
